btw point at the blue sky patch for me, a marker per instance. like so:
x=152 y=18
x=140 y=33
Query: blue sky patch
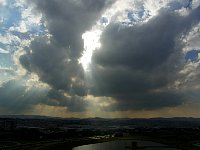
x=192 y=56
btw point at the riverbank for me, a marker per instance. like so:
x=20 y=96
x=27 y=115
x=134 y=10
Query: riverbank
x=69 y=144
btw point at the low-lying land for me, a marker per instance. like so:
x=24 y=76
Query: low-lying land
x=64 y=134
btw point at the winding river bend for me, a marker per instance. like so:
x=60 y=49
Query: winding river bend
x=125 y=145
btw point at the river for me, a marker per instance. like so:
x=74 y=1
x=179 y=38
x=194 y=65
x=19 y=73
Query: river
x=125 y=145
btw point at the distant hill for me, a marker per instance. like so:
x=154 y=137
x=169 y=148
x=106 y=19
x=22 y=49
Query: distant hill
x=25 y=116
x=177 y=122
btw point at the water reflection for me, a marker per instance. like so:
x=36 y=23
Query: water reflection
x=125 y=145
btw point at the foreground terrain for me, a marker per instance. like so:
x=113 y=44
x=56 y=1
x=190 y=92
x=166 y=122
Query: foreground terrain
x=42 y=133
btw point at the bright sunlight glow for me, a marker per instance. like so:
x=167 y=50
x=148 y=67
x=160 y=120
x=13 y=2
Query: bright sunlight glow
x=91 y=42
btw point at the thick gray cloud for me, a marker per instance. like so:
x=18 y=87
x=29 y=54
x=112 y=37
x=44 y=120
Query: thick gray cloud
x=16 y=97
x=72 y=103
x=56 y=61
x=137 y=65
x=53 y=65
x=67 y=20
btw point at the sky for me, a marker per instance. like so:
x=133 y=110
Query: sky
x=100 y=58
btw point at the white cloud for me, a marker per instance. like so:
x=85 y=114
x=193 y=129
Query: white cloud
x=1 y=20
x=3 y=2
x=6 y=69
x=196 y=3
x=190 y=72
x=21 y=28
x=2 y=51
x=30 y=16
x=29 y=19
x=191 y=41
x=9 y=39
x=20 y=3
x=98 y=104
x=20 y=70
x=118 y=11
x=34 y=82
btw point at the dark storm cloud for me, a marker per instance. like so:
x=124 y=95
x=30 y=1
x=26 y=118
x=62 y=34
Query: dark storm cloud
x=67 y=20
x=16 y=98
x=136 y=65
x=146 y=101
x=74 y=103
x=144 y=46
x=53 y=65
x=56 y=61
